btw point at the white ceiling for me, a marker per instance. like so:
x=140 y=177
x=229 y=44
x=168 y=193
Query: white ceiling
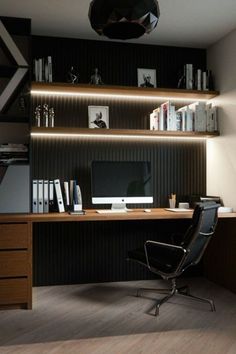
x=191 y=23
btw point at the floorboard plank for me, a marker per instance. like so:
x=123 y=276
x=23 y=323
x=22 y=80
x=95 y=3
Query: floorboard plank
x=109 y=318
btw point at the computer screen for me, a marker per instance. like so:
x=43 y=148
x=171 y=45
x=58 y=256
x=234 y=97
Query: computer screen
x=121 y=182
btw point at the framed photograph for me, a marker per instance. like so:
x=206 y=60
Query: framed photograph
x=147 y=77
x=98 y=117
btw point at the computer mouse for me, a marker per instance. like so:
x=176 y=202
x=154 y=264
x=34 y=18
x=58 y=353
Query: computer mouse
x=147 y=210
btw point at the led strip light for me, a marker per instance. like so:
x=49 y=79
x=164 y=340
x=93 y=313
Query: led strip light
x=114 y=95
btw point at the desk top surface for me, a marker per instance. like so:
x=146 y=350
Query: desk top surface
x=92 y=215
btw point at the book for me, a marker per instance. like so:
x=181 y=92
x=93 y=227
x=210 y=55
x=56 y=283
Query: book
x=154 y=120
x=165 y=115
x=200 y=117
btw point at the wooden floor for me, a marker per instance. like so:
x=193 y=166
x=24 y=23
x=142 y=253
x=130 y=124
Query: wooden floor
x=108 y=318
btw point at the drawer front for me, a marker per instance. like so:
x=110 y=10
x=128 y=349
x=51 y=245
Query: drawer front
x=14 y=236
x=13 y=291
x=14 y=263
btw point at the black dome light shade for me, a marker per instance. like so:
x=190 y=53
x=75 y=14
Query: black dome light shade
x=123 y=19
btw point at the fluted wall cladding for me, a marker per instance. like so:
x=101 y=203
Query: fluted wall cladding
x=177 y=166
x=96 y=251
x=67 y=253
x=117 y=62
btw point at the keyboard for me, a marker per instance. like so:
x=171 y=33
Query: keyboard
x=110 y=211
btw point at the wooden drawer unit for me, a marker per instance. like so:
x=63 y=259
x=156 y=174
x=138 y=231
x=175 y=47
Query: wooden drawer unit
x=14 y=236
x=15 y=265
x=14 y=292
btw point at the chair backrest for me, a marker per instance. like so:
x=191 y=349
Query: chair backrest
x=198 y=235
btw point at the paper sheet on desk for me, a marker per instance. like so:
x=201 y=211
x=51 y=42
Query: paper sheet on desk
x=178 y=209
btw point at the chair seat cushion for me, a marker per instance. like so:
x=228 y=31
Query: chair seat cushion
x=164 y=260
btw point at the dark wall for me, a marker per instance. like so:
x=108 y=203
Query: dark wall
x=18 y=106
x=67 y=253
x=177 y=166
x=117 y=62
x=97 y=251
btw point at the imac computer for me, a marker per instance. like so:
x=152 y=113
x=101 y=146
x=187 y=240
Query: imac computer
x=121 y=182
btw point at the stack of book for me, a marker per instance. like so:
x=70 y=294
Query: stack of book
x=13 y=154
x=200 y=117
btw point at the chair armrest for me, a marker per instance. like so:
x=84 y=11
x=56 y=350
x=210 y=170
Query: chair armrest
x=160 y=245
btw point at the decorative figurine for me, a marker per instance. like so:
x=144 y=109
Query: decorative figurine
x=51 y=117
x=96 y=78
x=45 y=115
x=72 y=76
x=37 y=116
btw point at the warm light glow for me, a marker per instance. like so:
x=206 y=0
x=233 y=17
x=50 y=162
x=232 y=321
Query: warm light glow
x=106 y=136
x=108 y=95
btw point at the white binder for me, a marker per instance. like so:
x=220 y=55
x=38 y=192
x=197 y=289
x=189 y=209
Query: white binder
x=51 y=196
x=60 y=202
x=35 y=196
x=40 y=196
x=67 y=197
x=45 y=196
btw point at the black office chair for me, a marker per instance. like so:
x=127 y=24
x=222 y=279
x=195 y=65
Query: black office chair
x=171 y=260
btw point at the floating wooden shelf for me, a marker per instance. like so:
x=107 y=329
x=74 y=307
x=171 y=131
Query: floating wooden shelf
x=121 y=91
x=68 y=131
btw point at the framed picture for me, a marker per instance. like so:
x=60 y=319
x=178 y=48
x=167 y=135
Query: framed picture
x=147 y=77
x=98 y=117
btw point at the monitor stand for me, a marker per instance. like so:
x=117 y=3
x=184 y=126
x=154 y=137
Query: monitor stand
x=115 y=208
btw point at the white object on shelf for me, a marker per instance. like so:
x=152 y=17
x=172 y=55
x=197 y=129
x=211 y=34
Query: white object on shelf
x=225 y=210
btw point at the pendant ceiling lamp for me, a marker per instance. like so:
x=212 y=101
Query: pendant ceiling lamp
x=123 y=19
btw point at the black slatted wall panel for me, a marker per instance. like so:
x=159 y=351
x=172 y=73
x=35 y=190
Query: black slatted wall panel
x=67 y=253
x=177 y=166
x=90 y=252
x=118 y=62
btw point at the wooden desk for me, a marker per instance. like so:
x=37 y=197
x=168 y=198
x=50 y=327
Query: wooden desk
x=16 y=246
x=92 y=215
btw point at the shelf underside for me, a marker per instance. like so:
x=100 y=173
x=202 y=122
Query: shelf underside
x=125 y=91
x=68 y=131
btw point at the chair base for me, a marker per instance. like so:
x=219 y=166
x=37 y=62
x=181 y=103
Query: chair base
x=174 y=290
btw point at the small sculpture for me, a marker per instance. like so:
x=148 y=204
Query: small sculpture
x=72 y=76
x=51 y=117
x=96 y=78
x=45 y=115
x=37 y=115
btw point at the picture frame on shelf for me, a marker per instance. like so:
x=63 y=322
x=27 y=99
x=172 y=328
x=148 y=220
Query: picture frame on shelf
x=98 y=117
x=146 y=77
